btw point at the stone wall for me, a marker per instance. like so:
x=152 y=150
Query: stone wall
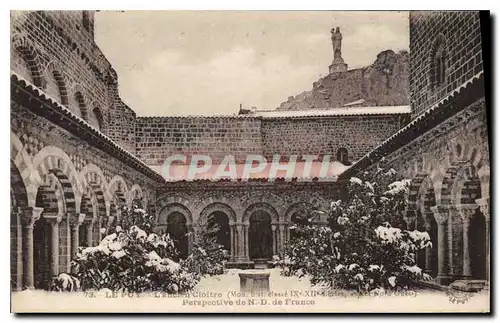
x=158 y=138
x=383 y=83
x=56 y=51
x=461 y=36
x=323 y=135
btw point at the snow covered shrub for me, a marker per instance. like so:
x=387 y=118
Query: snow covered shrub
x=132 y=258
x=363 y=247
x=207 y=257
x=65 y=283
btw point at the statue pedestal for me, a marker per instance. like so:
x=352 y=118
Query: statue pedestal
x=337 y=67
x=254 y=281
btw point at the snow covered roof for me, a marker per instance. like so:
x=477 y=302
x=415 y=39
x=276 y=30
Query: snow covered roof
x=344 y=111
x=52 y=106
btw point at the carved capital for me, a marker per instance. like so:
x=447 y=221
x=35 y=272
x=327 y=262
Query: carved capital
x=273 y=227
x=441 y=213
x=52 y=218
x=484 y=206
x=29 y=215
x=466 y=211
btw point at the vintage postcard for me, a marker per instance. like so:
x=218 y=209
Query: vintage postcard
x=249 y=161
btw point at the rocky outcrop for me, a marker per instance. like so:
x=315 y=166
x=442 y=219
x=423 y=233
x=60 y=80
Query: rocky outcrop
x=383 y=83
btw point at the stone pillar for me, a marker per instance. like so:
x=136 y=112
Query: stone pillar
x=274 y=235
x=466 y=212
x=90 y=232
x=246 y=250
x=239 y=241
x=232 y=234
x=75 y=223
x=441 y=215
x=428 y=251
x=282 y=238
x=29 y=215
x=54 y=224
x=19 y=252
x=190 y=238
x=484 y=206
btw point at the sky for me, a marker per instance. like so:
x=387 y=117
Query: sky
x=172 y=63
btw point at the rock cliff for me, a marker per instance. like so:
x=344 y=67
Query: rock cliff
x=383 y=83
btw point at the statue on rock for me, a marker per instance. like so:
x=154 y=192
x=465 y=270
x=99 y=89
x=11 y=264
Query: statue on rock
x=336 y=42
x=338 y=64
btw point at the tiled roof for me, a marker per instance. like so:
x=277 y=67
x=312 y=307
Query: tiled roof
x=98 y=139
x=344 y=111
x=421 y=124
x=179 y=173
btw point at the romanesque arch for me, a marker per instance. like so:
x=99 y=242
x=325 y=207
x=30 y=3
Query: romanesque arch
x=25 y=48
x=97 y=118
x=53 y=160
x=136 y=197
x=117 y=191
x=219 y=218
x=19 y=200
x=92 y=176
x=176 y=220
x=261 y=238
x=25 y=173
x=53 y=72
x=79 y=102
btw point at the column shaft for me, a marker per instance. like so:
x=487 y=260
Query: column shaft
x=90 y=233
x=466 y=268
x=28 y=268
x=55 y=249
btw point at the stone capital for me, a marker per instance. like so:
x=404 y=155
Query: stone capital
x=29 y=215
x=273 y=227
x=52 y=218
x=466 y=211
x=441 y=213
x=484 y=206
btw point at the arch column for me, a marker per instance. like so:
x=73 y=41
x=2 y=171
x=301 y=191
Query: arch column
x=466 y=212
x=428 y=251
x=232 y=233
x=282 y=242
x=274 y=236
x=441 y=214
x=190 y=238
x=90 y=223
x=239 y=242
x=54 y=221
x=484 y=206
x=246 y=248
x=75 y=223
x=29 y=215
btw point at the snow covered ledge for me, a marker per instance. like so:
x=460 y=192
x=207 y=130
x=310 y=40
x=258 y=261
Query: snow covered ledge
x=254 y=281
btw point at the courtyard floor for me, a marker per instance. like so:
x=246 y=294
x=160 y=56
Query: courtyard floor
x=222 y=294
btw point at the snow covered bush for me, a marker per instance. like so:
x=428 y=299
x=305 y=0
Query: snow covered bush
x=364 y=246
x=132 y=258
x=65 y=283
x=207 y=257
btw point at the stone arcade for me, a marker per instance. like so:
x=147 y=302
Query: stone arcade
x=78 y=153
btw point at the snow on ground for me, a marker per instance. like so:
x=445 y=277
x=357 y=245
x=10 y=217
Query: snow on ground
x=222 y=294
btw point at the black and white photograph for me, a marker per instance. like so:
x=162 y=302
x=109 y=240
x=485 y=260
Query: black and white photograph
x=205 y=161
